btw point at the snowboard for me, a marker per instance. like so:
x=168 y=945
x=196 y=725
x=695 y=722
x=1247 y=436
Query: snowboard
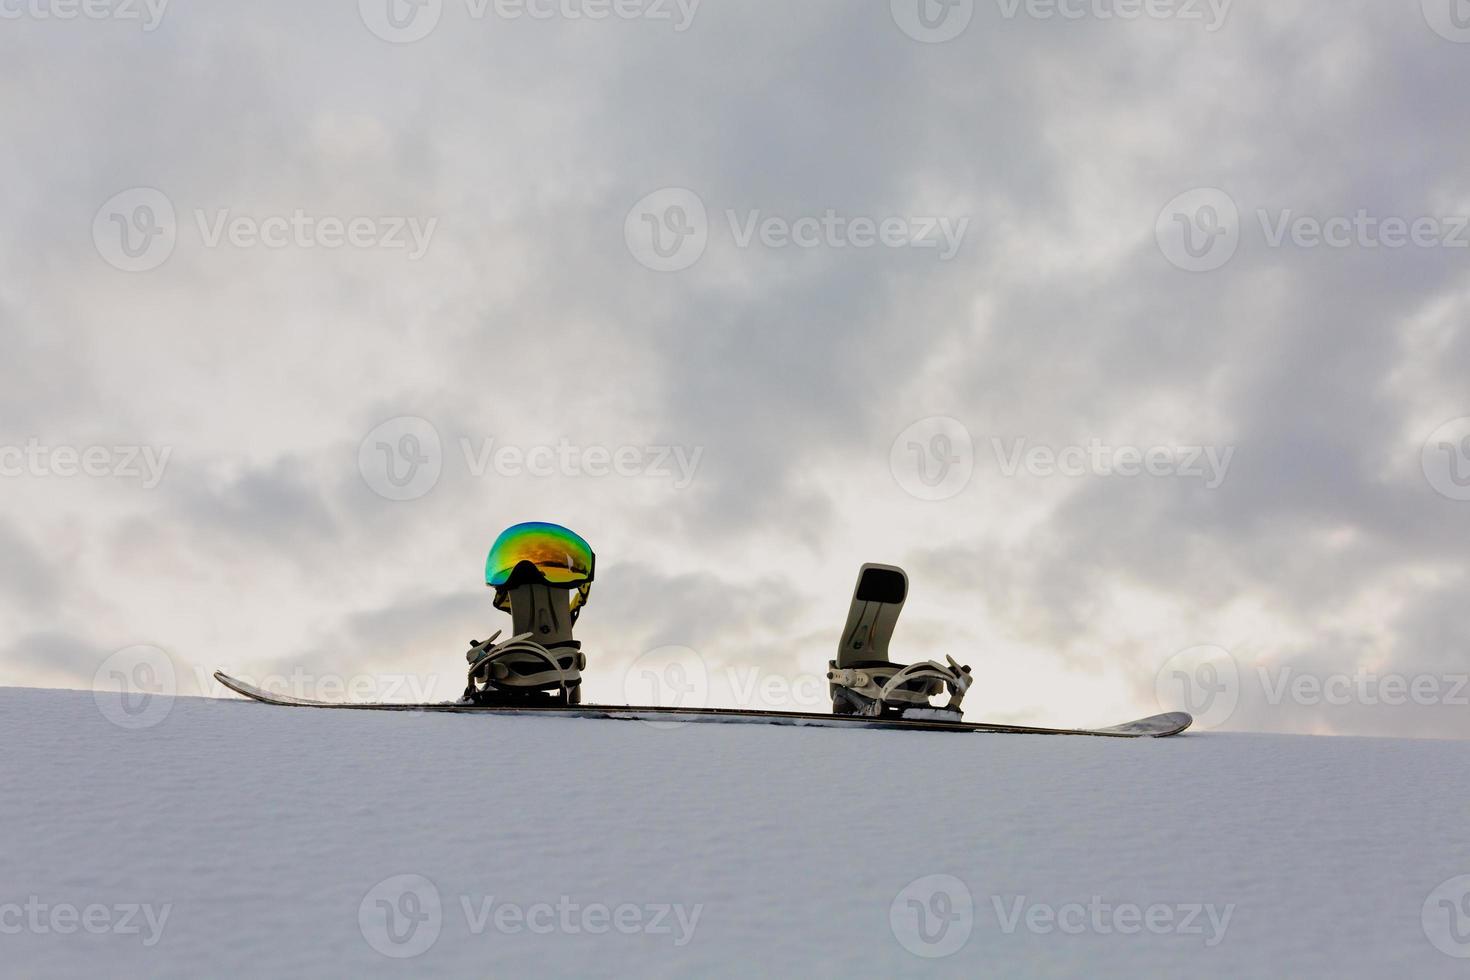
x=1158 y=726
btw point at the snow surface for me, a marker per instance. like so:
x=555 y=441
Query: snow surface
x=267 y=834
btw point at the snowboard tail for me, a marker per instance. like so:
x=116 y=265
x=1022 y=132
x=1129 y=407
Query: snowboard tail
x=1158 y=726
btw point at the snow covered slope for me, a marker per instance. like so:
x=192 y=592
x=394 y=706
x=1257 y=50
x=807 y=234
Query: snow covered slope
x=233 y=836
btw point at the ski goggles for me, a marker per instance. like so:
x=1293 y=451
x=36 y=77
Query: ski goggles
x=560 y=557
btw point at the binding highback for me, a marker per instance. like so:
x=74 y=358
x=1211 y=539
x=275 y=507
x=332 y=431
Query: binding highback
x=544 y=612
x=877 y=599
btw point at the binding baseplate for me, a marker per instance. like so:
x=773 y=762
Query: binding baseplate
x=539 y=663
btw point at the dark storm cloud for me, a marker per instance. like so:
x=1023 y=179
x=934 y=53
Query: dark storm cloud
x=276 y=506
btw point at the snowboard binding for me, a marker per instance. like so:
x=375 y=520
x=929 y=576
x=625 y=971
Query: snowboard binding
x=542 y=575
x=863 y=681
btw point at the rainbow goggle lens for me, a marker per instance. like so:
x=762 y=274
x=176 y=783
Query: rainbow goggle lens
x=561 y=557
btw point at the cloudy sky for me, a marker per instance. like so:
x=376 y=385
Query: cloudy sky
x=1136 y=332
